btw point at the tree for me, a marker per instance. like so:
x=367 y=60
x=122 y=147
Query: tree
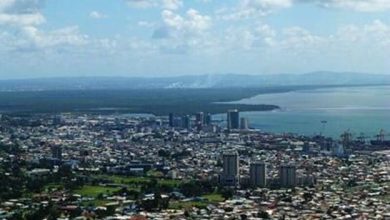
x=227 y=193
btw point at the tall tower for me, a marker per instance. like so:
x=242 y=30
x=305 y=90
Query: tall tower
x=208 y=119
x=186 y=120
x=199 y=119
x=231 y=169
x=56 y=152
x=244 y=124
x=171 y=118
x=287 y=176
x=257 y=173
x=233 y=119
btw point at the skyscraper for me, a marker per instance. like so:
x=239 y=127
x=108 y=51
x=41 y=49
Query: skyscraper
x=233 y=119
x=257 y=173
x=199 y=120
x=208 y=119
x=56 y=152
x=231 y=169
x=171 y=119
x=287 y=176
x=186 y=122
x=244 y=124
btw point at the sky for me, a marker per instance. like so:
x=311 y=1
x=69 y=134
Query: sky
x=147 y=38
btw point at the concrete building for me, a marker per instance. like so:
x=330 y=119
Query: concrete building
x=208 y=119
x=56 y=152
x=287 y=176
x=171 y=119
x=199 y=120
x=231 y=169
x=233 y=119
x=186 y=122
x=244 y=124
x=257 y=174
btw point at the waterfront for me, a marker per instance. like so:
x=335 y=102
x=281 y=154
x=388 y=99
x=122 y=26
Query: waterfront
x=360 y=109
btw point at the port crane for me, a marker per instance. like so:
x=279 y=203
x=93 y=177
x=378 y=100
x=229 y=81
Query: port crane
x=380 y=138
x=362 y=138
x=346 y=138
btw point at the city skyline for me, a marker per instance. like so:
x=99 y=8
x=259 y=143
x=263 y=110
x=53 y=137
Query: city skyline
x=50 y=38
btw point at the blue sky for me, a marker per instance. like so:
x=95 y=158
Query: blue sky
x=66 y=38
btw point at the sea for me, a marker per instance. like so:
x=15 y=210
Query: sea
x=363 y=111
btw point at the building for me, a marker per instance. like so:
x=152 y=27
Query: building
x=208 y=119
x=56 y=152
x=233 y=119
x=171 y=118
x=244 y=124
x=287 y=176
x=257 y=174
x=186 y=122
x=199 y=120
x=306 y=148
x=231 y=169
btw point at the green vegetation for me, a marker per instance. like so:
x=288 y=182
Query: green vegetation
x=214 y=197
x=154 y=101
x=138 y=181
x=186 y=205
x=94 y=191
x=208 y=199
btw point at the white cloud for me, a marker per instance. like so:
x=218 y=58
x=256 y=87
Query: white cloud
x=21 y=19
x=21 y=6
x=177 y=25
x=97 y=15
x=172 y=4
x=69 y=36
x=22 y=31
x=357 y=5
x=142 y=3
x=146 y=24
x=21 y=12
x=252 y=9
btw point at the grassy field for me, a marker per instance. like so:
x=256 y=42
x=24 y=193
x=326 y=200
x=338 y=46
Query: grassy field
x=214 y=197
x=94 y=191
x=138 y=181
x=211 y=199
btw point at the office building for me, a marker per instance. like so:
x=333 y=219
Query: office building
x=186 y=122
x=257 y=174
x=244 y=124
x=199 y=120
x=56 y=152
x=231 y=169
x=287 y=176
x=171 y=119
x=208 y=119
x=233 y=119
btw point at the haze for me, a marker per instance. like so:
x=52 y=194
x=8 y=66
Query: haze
x=62 y=38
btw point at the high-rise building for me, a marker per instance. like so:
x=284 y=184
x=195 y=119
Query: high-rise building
x=257 y=174
x=199 y=118
x=171 y=119
x=233 y=119
x=244 y=124
x=208 y=119
x=56 y=152
x=287 y=176
x=231 y=169
x=186 y=121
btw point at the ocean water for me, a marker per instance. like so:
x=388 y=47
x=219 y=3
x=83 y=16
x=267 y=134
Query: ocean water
x=327 y=111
